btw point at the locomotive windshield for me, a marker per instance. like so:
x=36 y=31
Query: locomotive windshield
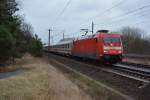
x=112 y=40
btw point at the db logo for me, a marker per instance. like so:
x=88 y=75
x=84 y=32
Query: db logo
x=111 y=44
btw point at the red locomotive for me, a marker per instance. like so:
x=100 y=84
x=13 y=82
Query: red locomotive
x=102 y=46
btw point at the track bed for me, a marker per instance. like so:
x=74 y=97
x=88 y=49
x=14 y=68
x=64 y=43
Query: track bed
x=123 y=84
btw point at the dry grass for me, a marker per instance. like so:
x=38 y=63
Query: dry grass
x=40 y=81
x=10 y=68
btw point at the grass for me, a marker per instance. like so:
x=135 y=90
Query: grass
x=39 y=81
x=32 y=84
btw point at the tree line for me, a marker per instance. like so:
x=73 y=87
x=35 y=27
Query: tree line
x=135 y=41
x=16 y=36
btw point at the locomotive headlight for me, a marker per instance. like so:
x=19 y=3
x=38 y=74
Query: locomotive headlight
x=105 y=51
x=119 y=51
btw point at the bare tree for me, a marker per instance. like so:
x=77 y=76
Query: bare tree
x=135 y=41
x=27 y=31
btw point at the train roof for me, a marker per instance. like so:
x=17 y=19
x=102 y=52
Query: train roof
x=65 y=41
x=103 y=31
x=100 y=33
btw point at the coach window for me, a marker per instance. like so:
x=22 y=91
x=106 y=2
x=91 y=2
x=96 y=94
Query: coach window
x=65 y=46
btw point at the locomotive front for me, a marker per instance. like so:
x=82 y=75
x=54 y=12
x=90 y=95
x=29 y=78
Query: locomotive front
x=112 y=47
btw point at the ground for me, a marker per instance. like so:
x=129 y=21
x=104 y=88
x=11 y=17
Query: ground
x=39 y=81
x=137 y=61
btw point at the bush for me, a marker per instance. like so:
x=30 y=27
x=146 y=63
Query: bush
x=7 y=44
x=36 y=48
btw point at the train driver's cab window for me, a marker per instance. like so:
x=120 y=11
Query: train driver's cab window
x=108 y=40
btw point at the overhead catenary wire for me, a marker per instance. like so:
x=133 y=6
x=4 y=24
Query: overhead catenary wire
x=127 y=14
x=102 y=13
x=138 y=15
x=127 y=24
x=109 y=9
x=132 y=11
x=140 y=22
x=105 y=11
x=62 y=12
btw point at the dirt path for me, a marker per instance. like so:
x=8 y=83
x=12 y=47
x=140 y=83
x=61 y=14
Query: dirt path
x=39 y=81
x=10 y=74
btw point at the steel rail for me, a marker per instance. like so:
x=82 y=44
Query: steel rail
x=131 y=67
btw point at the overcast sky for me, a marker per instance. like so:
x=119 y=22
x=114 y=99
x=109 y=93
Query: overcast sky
x=106 y=14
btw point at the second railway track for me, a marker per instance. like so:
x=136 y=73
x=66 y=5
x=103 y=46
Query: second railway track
x=134 y=71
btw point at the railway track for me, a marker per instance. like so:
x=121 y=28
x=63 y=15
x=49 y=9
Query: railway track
x=132 y=72
x=136 y=65
x=129 y=70
x=126 y=71
x=119 y=76
x=135 y=71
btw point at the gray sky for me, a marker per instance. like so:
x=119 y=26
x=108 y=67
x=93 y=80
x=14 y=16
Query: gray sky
x=106 y=14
